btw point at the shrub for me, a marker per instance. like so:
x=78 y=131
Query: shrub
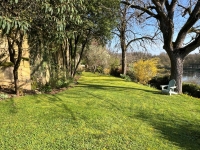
x=45 y=89
x=130 y=73
x=34 y=83
x=191 y=89
x=61 y=83
x=99 y=69
x=145 y=70
x=3 y=96
x=106 y=71
x=161 y=80
x=116 y=71
x=126 y=77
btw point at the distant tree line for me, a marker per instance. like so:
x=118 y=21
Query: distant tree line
x=189 y=60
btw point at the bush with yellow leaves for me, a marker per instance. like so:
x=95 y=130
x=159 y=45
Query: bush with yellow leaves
x=145 y=70
x=106 y=71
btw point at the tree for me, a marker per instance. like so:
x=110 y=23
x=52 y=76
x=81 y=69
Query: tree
x=59 y=39
x=53 y=27
x=98 y=21
x=43 y=22
x=97 y=57
x=128 y=34
x=167 y=15
x=14 y=23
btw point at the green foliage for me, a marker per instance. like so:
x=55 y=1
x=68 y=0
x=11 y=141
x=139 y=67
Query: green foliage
x=56 y=11
x=126 y=77
x=6 y=64
x=114 y=61
x=191 y=89
x=159 y=80
x=145 y=70
x=3 y=96
x=102 y=17
x=63 y=82
x=57 y=83
x=34 y=83
x=25 y=59
x=64 y=26
x=102 y=112
x=8 y=24
x=116 y=71
x=45 y=88
x=52 y=28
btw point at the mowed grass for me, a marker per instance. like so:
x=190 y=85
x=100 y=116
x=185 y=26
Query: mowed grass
x=101 y=112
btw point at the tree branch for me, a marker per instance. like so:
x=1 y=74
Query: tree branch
x=194 y=17
x=194 y=30
x=116 y=33
x=160 y=8
x=138 y=39
x=192 y=46
x=187 y=10
x=170 y=8
x=144 y=9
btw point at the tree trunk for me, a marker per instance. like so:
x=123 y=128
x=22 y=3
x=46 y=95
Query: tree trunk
x=177 y=71
x=123 y=48
x=16 y=61
x=66 y=53
x=81 y=55
x=15 y=74
x=70 y=57
x=124 y=62
x=94 y=68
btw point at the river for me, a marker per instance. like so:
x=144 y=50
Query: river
x=191 y=76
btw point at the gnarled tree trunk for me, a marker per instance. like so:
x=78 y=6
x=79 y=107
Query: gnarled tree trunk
x=177 y=70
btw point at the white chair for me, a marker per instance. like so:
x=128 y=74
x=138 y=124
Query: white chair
x=169 y=89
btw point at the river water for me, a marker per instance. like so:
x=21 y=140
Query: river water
x=191 y=76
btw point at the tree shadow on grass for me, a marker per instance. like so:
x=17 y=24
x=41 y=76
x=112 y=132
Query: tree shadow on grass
x=12 y=106
x=119 y=88
x=180 y=132
x=58 y=102
x=106 y=100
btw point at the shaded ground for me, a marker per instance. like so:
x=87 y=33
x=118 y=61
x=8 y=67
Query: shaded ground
x=9 y=93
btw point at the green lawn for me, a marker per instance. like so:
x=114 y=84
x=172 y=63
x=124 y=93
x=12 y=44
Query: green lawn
x=101 y=112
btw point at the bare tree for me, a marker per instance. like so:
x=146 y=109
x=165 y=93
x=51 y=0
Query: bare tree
x=180 y=32
x=128 y=33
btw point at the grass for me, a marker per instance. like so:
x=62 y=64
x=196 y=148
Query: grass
x=101 y=112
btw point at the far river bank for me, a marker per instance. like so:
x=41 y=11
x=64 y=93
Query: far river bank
x=191 y=76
